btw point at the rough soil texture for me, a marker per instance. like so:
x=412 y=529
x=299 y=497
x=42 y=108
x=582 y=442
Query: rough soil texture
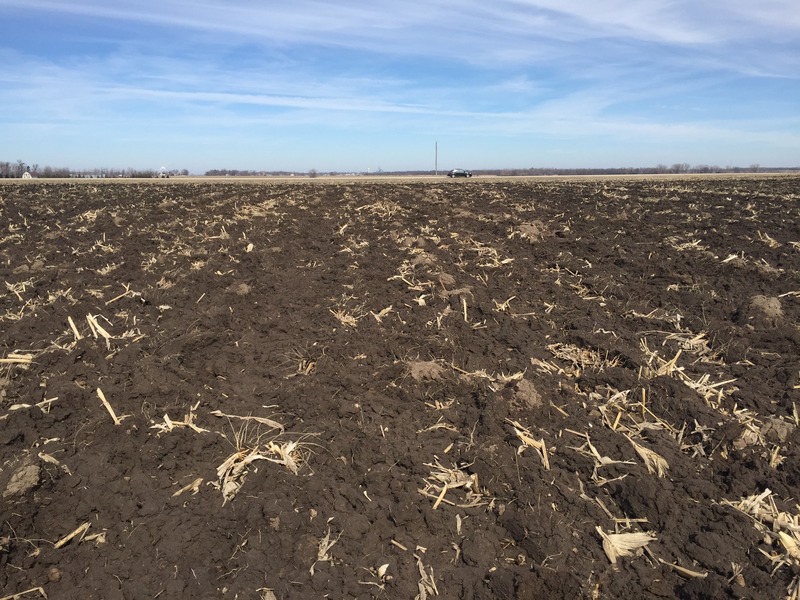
x=458 y=389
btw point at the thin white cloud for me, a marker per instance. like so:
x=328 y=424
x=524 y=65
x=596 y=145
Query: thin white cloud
x=420 y=27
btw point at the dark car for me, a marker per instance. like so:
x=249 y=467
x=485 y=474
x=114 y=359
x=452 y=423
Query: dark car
x=459 y=173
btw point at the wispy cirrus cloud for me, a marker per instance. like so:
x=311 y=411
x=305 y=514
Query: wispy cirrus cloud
x=417 y=27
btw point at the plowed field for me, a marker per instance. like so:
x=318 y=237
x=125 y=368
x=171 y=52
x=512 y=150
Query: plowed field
x=400 y=389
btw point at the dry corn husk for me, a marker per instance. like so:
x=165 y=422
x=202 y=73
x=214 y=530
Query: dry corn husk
x=616 y=545
x=654 y=462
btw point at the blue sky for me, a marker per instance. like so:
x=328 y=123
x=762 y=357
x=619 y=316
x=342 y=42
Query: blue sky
x=357 y=85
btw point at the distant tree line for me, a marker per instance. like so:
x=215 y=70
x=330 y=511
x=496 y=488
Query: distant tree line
x=677 y=168
x=247 y=173
x=19 y=168
x=312 y=173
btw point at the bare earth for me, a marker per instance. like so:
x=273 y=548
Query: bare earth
x=400 y=389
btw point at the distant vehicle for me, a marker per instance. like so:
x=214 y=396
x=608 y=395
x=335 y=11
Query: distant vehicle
x=459 y=173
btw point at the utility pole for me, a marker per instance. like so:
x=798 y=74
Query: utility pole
x=436 y=159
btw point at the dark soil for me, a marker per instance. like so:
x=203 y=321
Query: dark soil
x=387 y=332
